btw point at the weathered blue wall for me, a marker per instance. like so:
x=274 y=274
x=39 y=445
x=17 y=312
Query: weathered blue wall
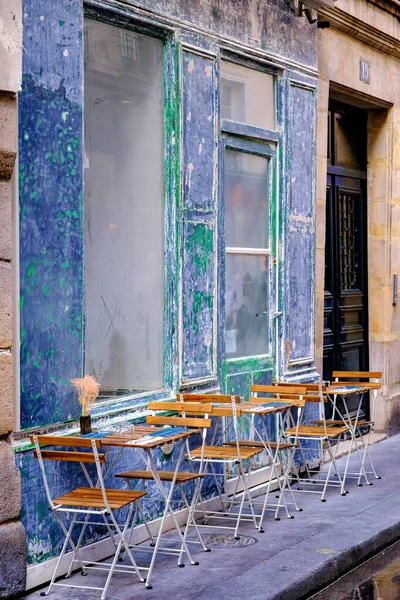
x=300 y=241
x=51 y=231
x=266 y=25
x=51 y=227
x=200 y=143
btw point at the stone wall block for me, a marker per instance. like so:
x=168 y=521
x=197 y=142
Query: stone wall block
x=10 y=45
x=5 y=305
x=6 y=393
x=10 y=485
x=12 y=560
x=5 y=221
x=8 y=135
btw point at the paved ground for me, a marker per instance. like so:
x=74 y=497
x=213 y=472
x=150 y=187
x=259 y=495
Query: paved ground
x=292 y=559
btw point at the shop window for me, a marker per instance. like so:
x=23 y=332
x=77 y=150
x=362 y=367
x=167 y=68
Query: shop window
x=124 y=209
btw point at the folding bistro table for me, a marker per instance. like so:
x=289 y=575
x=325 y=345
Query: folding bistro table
x=340 y=392
x=264 y=407
x=145 y=439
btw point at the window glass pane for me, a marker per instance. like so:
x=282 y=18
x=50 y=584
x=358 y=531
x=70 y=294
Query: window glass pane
x=246 y=296
x=124 y=213
x=246 y=200
x=247 y=96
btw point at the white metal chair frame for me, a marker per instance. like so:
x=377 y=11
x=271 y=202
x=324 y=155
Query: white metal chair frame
x=283 y=417
x=325 y=437
x=67 y=517
x=206 y=462
x=354 y=424
x=146 y=455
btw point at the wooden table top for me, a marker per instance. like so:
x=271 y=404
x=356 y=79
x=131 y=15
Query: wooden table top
x=347 y=389
x=145 y=436
x=263 y=407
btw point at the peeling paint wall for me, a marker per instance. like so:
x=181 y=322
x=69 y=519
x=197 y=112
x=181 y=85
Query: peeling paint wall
x=300 y=233
x=51 y=192
x=51 y=187
x=200 y=138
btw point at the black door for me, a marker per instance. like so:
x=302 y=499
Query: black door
x=346 y=282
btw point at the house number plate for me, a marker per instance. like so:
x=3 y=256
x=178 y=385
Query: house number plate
x=365 y=71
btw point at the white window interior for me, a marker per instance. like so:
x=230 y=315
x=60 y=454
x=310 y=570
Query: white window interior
x=247 y=96
x=247 y=254
x=124 y=208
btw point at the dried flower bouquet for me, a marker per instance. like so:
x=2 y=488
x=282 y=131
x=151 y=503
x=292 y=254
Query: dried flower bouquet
x=88 y=390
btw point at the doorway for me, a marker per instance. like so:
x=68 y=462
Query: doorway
x=346 y=251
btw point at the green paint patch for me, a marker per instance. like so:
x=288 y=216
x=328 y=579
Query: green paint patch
x=61 y=23
x=22 y=302
x=30 y=271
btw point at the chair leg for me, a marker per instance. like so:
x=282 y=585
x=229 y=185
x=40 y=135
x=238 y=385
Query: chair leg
x=121 y=543
x=191 y=519
x=78 y=545
x=366 y=455
x=68 y=540
x=333 y=464
x=245 y=493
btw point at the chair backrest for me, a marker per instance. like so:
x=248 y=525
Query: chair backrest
x=290 y=394
x=60 y=454
x=224 y=411
x=193 y=415
x=314 y=392
x=366 y=378
x=65 y=442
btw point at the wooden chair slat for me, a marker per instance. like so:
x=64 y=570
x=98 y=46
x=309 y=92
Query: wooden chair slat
x=224 y=398
x=69 y=456
x=260 y=444
x=189 y=407
x=224 y=452
x=278 y=389
x=310 y=387
x=64 y=441
x=163 y=475
x=93 y=498
x=182 y=421
x=316 y=431
x=366 y=374
x=283 y=398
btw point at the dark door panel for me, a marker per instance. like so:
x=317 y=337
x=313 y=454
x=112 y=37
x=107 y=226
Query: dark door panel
x=346 y=286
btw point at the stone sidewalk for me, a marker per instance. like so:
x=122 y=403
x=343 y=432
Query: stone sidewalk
x=290 y=561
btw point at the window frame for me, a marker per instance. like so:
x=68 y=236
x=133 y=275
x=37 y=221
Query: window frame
x=171 y=195
x=261 y=142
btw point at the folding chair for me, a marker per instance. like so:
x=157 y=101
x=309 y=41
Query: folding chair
x=94 y=500
x=209 y=455
x=171 y=478
x=354 y=422
x=281 y=402
x=316 y=432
